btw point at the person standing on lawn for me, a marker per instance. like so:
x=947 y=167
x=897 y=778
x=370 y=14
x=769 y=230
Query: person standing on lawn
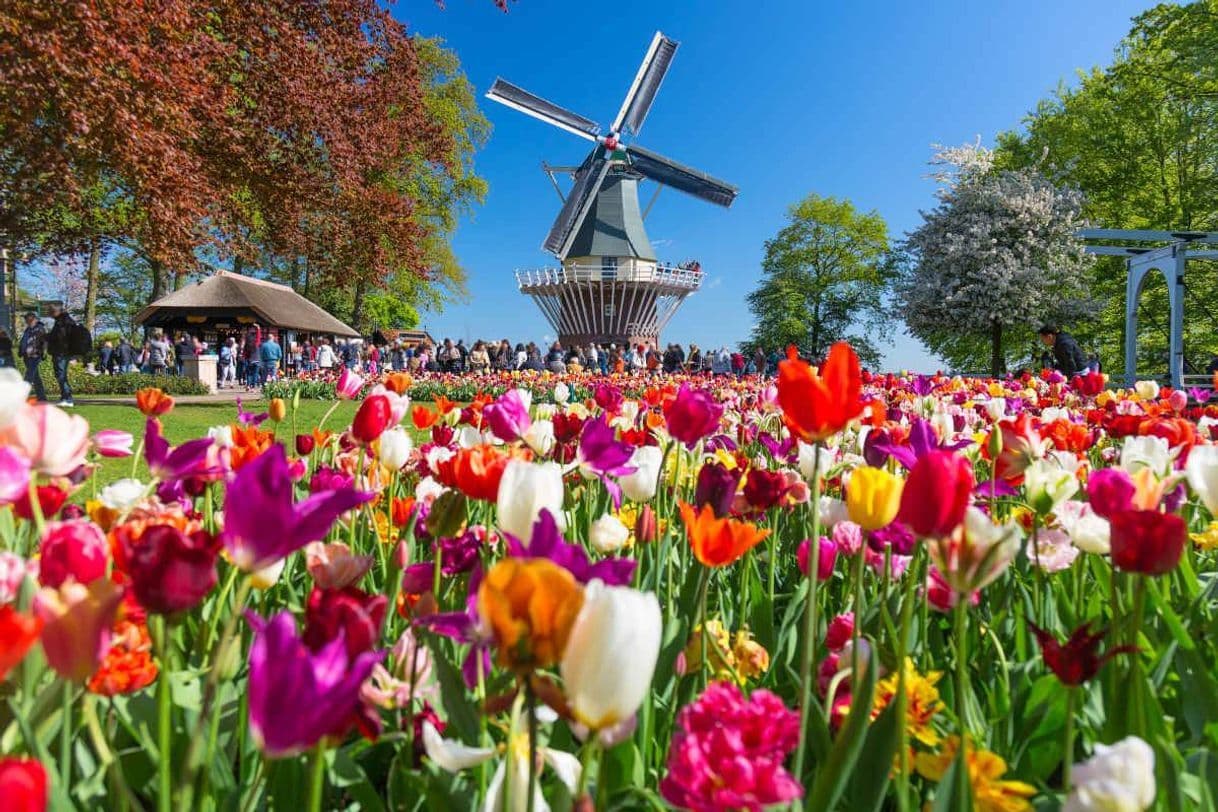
x=33 y=347
x=271 y=355
x=59 y=342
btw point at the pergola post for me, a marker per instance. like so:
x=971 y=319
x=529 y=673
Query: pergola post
x=1175 y=293
x=1133 y=289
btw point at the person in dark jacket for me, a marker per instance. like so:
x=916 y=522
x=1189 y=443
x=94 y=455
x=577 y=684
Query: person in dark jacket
x=6 y=350
x=33 y=347
x=1068 y=356
x=59 y=343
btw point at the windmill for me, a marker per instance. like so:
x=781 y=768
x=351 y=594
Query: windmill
x=610 y=287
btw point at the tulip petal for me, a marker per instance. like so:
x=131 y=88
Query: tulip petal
x=452 y=755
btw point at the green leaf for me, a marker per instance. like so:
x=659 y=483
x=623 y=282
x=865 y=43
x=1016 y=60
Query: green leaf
x=832 y=775
x=458 y=709
x=354 y=781
x=871 y=777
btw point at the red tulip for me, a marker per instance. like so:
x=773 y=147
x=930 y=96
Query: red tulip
x=692 y=415
x=764 y=489
x=374 y=416
x=50 y=499
x=170 y=571
x=305 y=443
x=817 y=405
x=350 y=611
x=937 y=493
x=1078 y=659
x=75 y=549
x=23 y=784
x=1147 y=541
x=824 y=565
x=17 y=633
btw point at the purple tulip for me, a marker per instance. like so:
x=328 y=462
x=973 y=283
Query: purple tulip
x=922 y=441
x=508 y=417
x=464 y=627
x=547 y=542
x=113 y=443
x=249 y=418
x=603 y=455
x=716 y=487
x=296 y=697
x=1110 y=491
x=262 y=524
x=167 y=464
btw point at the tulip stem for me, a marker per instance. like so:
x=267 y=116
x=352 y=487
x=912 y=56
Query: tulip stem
x=317 y=777
x=907 y=602
x=810 y=619
x=530 y=705
x=359 y=472
x=703 y=585
x=65 y=737
x=1139 y=604
x=164 y=706
x=1068 y=745
x=856 y=631
x=962 y=776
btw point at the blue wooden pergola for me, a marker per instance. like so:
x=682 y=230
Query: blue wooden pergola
x=1145 y=252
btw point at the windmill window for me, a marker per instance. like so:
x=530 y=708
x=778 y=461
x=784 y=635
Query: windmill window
x=608 y=267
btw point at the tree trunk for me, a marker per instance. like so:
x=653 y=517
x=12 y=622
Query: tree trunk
x=92 y=280
x=357 y=306
x=997 y=362
x=160 y=284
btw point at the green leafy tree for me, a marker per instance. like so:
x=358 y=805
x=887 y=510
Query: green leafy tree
x=1139 y=138
x=823 y=278
x=995 y=258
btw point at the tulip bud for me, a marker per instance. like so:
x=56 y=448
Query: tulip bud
x=1110 y=491
x=77 y=620
x=1047 y=485
x=873 y=497
x=608 y=535
x=394 y=448
x=824 y=566
x=937 y=493
x=1147 y=541
x=277 y=410
x=372 y=418
x=646 y=527
x=305 y=443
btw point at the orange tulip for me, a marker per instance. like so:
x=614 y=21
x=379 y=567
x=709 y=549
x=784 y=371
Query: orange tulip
x=17 y=633
x=718 y=542
x=444 y=405
x=277 y=410
x=423 y=417
x=248 y=443
x=530 y=605
x=153 y=402
x=398 y=382
x=476 y=471
x=818 y=404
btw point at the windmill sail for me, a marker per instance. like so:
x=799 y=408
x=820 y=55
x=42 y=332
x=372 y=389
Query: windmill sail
x=646 y=84
x=683 y=178
x=588 y=180
x=539 y=108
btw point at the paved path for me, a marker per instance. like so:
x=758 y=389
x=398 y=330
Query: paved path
x=223 y=396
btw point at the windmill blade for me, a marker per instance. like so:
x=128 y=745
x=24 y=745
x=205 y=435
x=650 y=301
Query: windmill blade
x=646 y=84
x=683 y=178
x=579 y=200
x=547 y=111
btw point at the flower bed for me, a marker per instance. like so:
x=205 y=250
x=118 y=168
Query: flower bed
x=839 y=590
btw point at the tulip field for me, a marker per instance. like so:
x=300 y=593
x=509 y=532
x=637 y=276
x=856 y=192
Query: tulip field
x=827 y=590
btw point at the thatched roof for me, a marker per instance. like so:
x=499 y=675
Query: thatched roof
x=231 y=295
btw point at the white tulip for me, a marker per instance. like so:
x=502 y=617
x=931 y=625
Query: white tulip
x=611 y=654
x=996 y=408
x=14 y=390
x=1202 y=472
x=1118 y=778
x=428 y=490
x=832 y=511
x=944 y=425
x=1146 y=452
x=641 y=485
x=608 y=535
x=221 y=436
x=122 y=495
x=807 y=460
x=1051 y=414
x=468 y=437
x=525 y=490
x=1047 y=485
x=540 y=436
x=394 y=449
x=451 y=755
x=1087 y=529
x=562 y=393
x=1147 y=390
x=268 y=576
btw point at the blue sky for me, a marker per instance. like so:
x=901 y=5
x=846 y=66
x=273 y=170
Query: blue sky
x=781 y=98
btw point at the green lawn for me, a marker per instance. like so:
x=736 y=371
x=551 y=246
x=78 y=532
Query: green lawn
x=188 y=422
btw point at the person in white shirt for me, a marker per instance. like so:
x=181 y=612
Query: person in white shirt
x=325 y=355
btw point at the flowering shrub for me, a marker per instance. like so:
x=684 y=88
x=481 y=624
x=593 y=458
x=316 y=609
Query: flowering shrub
x=835 y=590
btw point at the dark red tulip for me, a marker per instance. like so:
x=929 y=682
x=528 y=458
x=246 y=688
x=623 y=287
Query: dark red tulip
x=1147 y=541
x=170 y=571
x=373 y=417
x=937 y=493
x=351 y=611
x=646 y=526
x=305 y=443
x=716 y=487
x=50 y=499
x=1078 y=659
x=692 y=415
x=764 y=489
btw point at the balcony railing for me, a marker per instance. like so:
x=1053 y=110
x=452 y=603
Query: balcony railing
x=661 y=274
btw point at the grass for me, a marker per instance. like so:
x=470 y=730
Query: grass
x=186 y=422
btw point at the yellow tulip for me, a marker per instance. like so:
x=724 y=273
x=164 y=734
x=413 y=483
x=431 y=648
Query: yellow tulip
x=277 y=410
x=873 y=497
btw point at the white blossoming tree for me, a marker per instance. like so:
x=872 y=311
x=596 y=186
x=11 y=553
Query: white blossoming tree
x=996 y=257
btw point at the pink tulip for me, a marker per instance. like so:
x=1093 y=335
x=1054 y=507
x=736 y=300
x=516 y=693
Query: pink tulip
x=349 y=384
x=76 y=630
x=333 y=566
x=113 y=443
x=72 y=551
x=14 y=475
x=54 y=441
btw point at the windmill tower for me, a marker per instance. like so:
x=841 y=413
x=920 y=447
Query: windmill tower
x=610 y=286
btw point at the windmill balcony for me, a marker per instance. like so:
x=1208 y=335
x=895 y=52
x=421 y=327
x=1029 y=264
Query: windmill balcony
x=661 y=275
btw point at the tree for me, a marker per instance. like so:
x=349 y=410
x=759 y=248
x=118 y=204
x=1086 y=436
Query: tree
x=995 y=258
x=823 y=277
x=1139 y=138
